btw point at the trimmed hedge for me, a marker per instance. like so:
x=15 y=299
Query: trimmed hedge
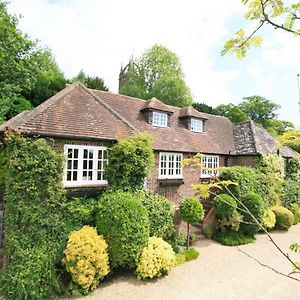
x=224 y=205
x=123 y=221
x=233 y=238
x=284 y=217
x=269 y=219
x=191 y=210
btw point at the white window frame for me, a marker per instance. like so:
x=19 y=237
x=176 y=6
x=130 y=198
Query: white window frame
x=159 y=119
x=81 y=180
x=210 y=161
x=196 y=125
x=170 y=165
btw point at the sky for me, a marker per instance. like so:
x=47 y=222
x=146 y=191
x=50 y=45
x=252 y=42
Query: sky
x=99 y=36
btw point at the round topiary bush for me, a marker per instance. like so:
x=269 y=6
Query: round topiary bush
x=157 y=259
x=123 y=221
x=284 y=217
x=160 y=215
x=191 y=210
x=255 y=205
x=269 y=219
x=86 y=258
x=224 y=205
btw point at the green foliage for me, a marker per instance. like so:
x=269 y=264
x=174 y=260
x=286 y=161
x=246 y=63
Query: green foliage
x=160 y=216
x=31 y=274
x=82 y=211
x=291 y=139
x=176 y=240
x=202 y=107
x=232 y=112
x=255 y=205
x=123 y=221
x=157 y=73
x=190 y=254
x=191 y=210
x=86 y=258
x=34 y=215
x=130 y=162
x=233 y=238
x=295 y=209
x=269 y=219
x=96 y=82
x=284 y=217
x=157 y=259
x=180 y=259
x=224 y=205
x=292 y=168
x=290 y=193
x=2 y=164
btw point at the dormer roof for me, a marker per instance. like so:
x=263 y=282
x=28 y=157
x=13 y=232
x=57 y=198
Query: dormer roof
x=191 y=112
x=155 y=104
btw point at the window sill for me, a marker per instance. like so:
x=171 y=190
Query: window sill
x=170 y=181
x=79 y=186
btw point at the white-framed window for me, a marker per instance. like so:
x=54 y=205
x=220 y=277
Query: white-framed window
x=85 y=165
x=170 y=165
x=210 y=162
x=160 y=119
x=196 y=125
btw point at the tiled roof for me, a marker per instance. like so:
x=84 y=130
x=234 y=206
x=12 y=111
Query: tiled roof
x=155 y=104
x=250 y=138
x=191 y=112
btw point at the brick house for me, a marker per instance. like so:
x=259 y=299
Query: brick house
x=83 y=123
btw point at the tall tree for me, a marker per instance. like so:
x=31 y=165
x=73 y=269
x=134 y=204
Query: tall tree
x=232 y=112
x=202 y=107
x=96 y=82
x=282 y=15
x=291 y=139
x=157 y=73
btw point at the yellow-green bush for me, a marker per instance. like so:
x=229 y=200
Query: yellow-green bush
x=86 y=258
x=157 y=259
x=269 y=219
x=284 y=217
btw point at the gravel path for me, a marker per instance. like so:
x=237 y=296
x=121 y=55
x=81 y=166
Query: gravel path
x=219 y=273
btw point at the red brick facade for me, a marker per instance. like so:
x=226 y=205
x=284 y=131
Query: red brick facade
x=243 y=160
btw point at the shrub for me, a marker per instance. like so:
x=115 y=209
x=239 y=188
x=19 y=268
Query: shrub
x=292 y=168
x=296 y=211
x=284 y=217
x=269 y=219
x=2 y=164
x=233 y=238
x=157 y=259
x=82 y=211
x=86 y=258
x=130 y=162
x=123 y=221
x=290 y=193
x=224 y=205
x=255 y=205
x=191 y=254
x=31 y=275
x=179 y=259
x=230 y=223
x=160 y=216
x=191 y=210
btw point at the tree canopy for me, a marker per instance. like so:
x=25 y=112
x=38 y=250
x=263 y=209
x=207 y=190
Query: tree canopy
x=291 y=139
x=281 y=15
x=232 y=112
x=96 y=82
x=157 y=73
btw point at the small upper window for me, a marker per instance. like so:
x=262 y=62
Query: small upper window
x=196 y=125
x=160 y=119
x=210 y=166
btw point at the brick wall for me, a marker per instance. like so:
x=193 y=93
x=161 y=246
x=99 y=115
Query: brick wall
x=245 y=160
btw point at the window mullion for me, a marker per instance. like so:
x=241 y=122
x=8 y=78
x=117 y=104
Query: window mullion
x=80 y=164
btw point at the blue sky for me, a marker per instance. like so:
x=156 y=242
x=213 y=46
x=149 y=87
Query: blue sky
x=100 y=35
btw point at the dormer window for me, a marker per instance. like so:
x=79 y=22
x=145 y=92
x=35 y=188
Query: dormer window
x=196 y=125
x=159 y=119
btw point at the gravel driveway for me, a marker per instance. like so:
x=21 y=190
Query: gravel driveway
x=219 y=273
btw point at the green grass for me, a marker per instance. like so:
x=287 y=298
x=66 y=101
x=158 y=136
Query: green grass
x=233 y=238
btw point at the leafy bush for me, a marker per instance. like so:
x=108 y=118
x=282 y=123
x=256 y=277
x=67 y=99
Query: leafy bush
x=31 y=274
x=290 y=193
x=296 y=211
x=160 y=216
x=35 y=217
x=86 y=258
x=176 y=240
x=123 y=221
x=82 y=211
x=191 y=210
x=255 y=205
x=230 y=223
x=191 y=254
x=157 y=259
x=269 y=219
x=130 y=162
x=284 y=217
x=179 y=259
x=292 y=168
x=233 y=238
x=224 y=205
x=2 y=164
